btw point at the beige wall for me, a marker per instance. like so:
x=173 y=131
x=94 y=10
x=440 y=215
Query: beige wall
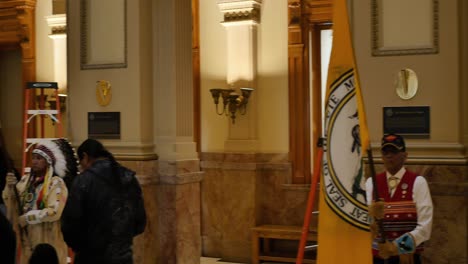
x=44 y=45
x=272 y=96
x=214 y=128
x=131 y=86
x=47 y=69
x=272 y=80
x=439 y=82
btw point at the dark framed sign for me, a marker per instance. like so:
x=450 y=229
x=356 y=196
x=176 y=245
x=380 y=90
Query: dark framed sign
x=104 y=125
x=407 y=120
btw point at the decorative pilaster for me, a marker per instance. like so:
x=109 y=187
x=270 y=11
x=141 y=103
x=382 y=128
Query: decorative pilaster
x=179 y=171
x=241 y=18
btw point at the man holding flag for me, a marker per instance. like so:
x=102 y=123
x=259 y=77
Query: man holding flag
x=404 y=207
x=343 y=230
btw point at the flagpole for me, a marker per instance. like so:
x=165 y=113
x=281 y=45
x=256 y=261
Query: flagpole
x=341 y=219
x=376 y=197
x=310 y=201
x=376 y=193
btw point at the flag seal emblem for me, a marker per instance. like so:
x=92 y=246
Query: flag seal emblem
x=342 y=161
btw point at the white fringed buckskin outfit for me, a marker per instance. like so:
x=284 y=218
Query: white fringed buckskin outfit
x=42 y=200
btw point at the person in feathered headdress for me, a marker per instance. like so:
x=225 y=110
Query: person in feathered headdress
x=42 y=195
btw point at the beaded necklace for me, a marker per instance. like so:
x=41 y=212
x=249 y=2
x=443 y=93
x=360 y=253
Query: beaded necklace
x=30 y=195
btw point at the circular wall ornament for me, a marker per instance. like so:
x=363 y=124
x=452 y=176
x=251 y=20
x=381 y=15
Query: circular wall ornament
x=103 y=92
x=406 y=84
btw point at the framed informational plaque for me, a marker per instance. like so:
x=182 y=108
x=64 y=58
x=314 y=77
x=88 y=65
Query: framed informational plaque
x=103 y=25
x=407 y=120
x=104 y=125
x=402 y=27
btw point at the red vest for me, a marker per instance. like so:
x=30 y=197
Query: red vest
x=400 y=215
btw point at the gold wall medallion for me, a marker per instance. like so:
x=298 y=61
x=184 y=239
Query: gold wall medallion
x=406 y=84
x=103 y=92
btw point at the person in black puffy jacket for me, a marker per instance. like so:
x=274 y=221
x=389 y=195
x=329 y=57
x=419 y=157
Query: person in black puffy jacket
x=7 y=241
x=104 y=210
x=6 y=165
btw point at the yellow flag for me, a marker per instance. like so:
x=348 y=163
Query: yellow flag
x=343 y=230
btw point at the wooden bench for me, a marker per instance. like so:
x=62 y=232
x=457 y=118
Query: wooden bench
x=267 y=232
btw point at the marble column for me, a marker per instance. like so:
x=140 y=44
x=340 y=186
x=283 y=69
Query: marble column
x=241 y=18
x=179 y=171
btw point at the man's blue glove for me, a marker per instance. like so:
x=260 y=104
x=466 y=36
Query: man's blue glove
x=405 y=244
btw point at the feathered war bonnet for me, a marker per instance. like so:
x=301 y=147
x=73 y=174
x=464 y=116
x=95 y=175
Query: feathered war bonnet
x=60 y=156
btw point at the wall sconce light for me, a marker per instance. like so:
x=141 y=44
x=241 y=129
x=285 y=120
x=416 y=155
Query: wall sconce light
x=232 y=101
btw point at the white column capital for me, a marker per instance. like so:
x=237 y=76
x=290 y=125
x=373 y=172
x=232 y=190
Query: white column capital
x=236 y=11
x=57 y=24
